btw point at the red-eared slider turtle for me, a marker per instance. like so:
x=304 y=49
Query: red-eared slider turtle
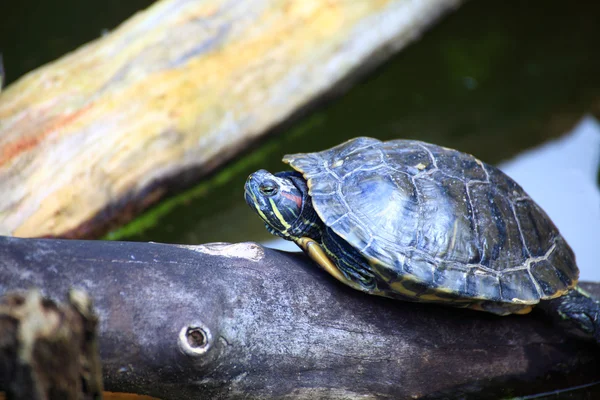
x=419 y=222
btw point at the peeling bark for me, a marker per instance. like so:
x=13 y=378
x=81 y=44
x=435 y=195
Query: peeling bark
x=233 y=321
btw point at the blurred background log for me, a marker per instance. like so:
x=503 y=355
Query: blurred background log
x=224 y=321
x=91 y=139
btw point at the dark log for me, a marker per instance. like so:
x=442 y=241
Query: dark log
x=49 y=351
x=234 y=321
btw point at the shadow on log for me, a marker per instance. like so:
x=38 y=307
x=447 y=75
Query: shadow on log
x=226 y=321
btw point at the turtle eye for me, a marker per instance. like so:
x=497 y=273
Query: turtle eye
x=268 y=188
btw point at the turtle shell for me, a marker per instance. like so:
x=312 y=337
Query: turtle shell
x=439 y=218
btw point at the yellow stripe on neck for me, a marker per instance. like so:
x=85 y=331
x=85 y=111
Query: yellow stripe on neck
x=279 y=215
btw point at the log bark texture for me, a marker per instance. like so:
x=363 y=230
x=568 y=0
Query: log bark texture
x=49 y=351
x=91 y=139
x=233 y=321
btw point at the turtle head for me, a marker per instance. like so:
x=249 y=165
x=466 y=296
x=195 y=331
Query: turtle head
x=282 y=201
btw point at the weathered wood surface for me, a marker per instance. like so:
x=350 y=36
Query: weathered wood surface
x=49 y=351
x=241 y=321
x=98 y=135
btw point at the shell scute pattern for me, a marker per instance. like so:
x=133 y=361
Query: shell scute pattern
x=481 y=281
x=499 y=235
x=452 y=235
x=416 y=160
x=559 y=258
x=517 y=285
x=451 y=277
x=438 y=220
x=463 y=168
x=373 y=196
x=533 y=219
x=324 y=187
x=423 y=268
x=549 y=279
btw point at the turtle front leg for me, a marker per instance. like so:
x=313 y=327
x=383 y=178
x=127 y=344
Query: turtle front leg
x=577 y=312
x=314 y=250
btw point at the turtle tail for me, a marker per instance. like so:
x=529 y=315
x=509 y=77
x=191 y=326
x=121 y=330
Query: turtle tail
x=577 y=312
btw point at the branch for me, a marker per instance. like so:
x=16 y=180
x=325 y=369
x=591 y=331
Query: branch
x=226 y=321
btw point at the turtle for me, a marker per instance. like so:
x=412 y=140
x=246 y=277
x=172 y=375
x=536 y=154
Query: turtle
x=414 y=221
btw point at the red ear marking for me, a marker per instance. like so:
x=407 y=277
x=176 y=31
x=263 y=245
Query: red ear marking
x=289 y=196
